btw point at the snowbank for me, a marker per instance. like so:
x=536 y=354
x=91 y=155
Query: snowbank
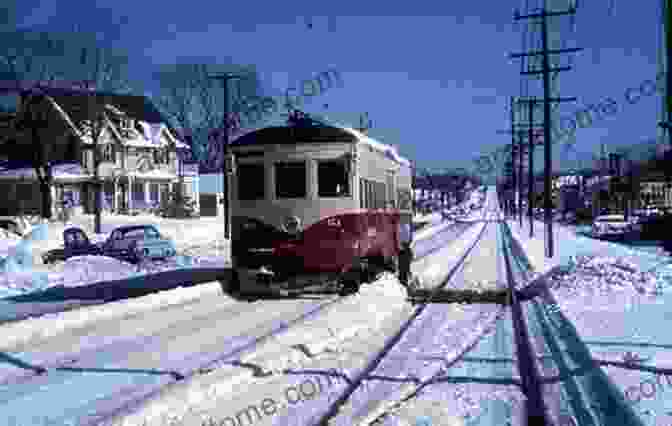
x=50 y=325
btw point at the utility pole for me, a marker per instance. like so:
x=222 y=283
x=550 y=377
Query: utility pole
x=224 y=78
x=97 y=122
x=531 y=127
x=521 y=149
x=546 y=71
x=666 y=123
x=509 y=194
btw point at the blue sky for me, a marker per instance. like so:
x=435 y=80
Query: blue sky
x=435 y=79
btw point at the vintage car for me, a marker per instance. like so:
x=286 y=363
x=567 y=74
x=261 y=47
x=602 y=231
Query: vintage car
x=130 y=243
x=612 y=226
x=75 y=243
x=136 y=242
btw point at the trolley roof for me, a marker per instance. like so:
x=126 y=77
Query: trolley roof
x=290 y=135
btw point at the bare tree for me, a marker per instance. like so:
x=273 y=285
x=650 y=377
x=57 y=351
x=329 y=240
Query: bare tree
x=193 y=102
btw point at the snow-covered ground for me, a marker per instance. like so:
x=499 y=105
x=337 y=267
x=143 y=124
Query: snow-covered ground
x=200 y=244
x=617 y=299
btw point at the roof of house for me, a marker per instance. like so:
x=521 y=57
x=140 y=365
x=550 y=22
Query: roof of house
x=73 y=106
x=74 y=102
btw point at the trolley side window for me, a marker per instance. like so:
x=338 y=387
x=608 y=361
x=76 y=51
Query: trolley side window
x=333 y=179
x=380 y=195
x=251 y=181
x=290 y=179
x=362 y=194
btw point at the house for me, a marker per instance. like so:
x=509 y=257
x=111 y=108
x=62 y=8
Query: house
x=655 y=193
x=142 y=158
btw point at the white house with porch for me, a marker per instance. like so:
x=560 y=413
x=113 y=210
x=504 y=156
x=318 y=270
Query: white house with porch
x=139 y=161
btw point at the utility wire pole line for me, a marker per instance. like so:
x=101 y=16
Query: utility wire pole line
x=520 y=179
x=531 y=127
x=224 y=78
x=546 y=70
x=509 y=194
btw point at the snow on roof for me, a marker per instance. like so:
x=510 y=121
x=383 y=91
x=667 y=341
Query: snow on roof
x=388 y=150
x=142 y=143
x=151 y=133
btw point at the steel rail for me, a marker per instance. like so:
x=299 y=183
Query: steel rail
x=535 y=409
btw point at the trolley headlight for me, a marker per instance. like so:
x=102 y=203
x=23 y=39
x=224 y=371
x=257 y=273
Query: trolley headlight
x=292 y=225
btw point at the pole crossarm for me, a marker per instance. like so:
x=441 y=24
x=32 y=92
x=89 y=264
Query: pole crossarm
x=526 y=126
x=553 y=100
x=546 y=52
x=517 y=16
x=555 y=69
x=508 y=132
x=665 y=125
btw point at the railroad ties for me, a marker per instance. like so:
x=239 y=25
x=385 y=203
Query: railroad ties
x=500 y=297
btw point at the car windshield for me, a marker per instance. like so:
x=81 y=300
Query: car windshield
x=141 y=233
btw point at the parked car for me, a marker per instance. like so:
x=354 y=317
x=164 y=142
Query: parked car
x=130 y=243
x=75 y=243
x=135 y=242
x=612 y=226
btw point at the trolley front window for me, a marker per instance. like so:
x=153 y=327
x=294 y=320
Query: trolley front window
x=333 y=179
x=251 y=181
x=290 y=180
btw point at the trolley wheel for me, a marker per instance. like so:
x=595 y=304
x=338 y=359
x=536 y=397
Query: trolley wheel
x=393 y=264
x=348 y=287
x=351 y=280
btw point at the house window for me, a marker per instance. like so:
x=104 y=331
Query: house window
x=84 y=158
x=290 y=179
x=154 y=191
x=125 y=124
x=251 y=181
x=109 y=152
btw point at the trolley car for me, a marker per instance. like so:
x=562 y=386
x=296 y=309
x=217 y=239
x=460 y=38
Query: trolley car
x=314 y=203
